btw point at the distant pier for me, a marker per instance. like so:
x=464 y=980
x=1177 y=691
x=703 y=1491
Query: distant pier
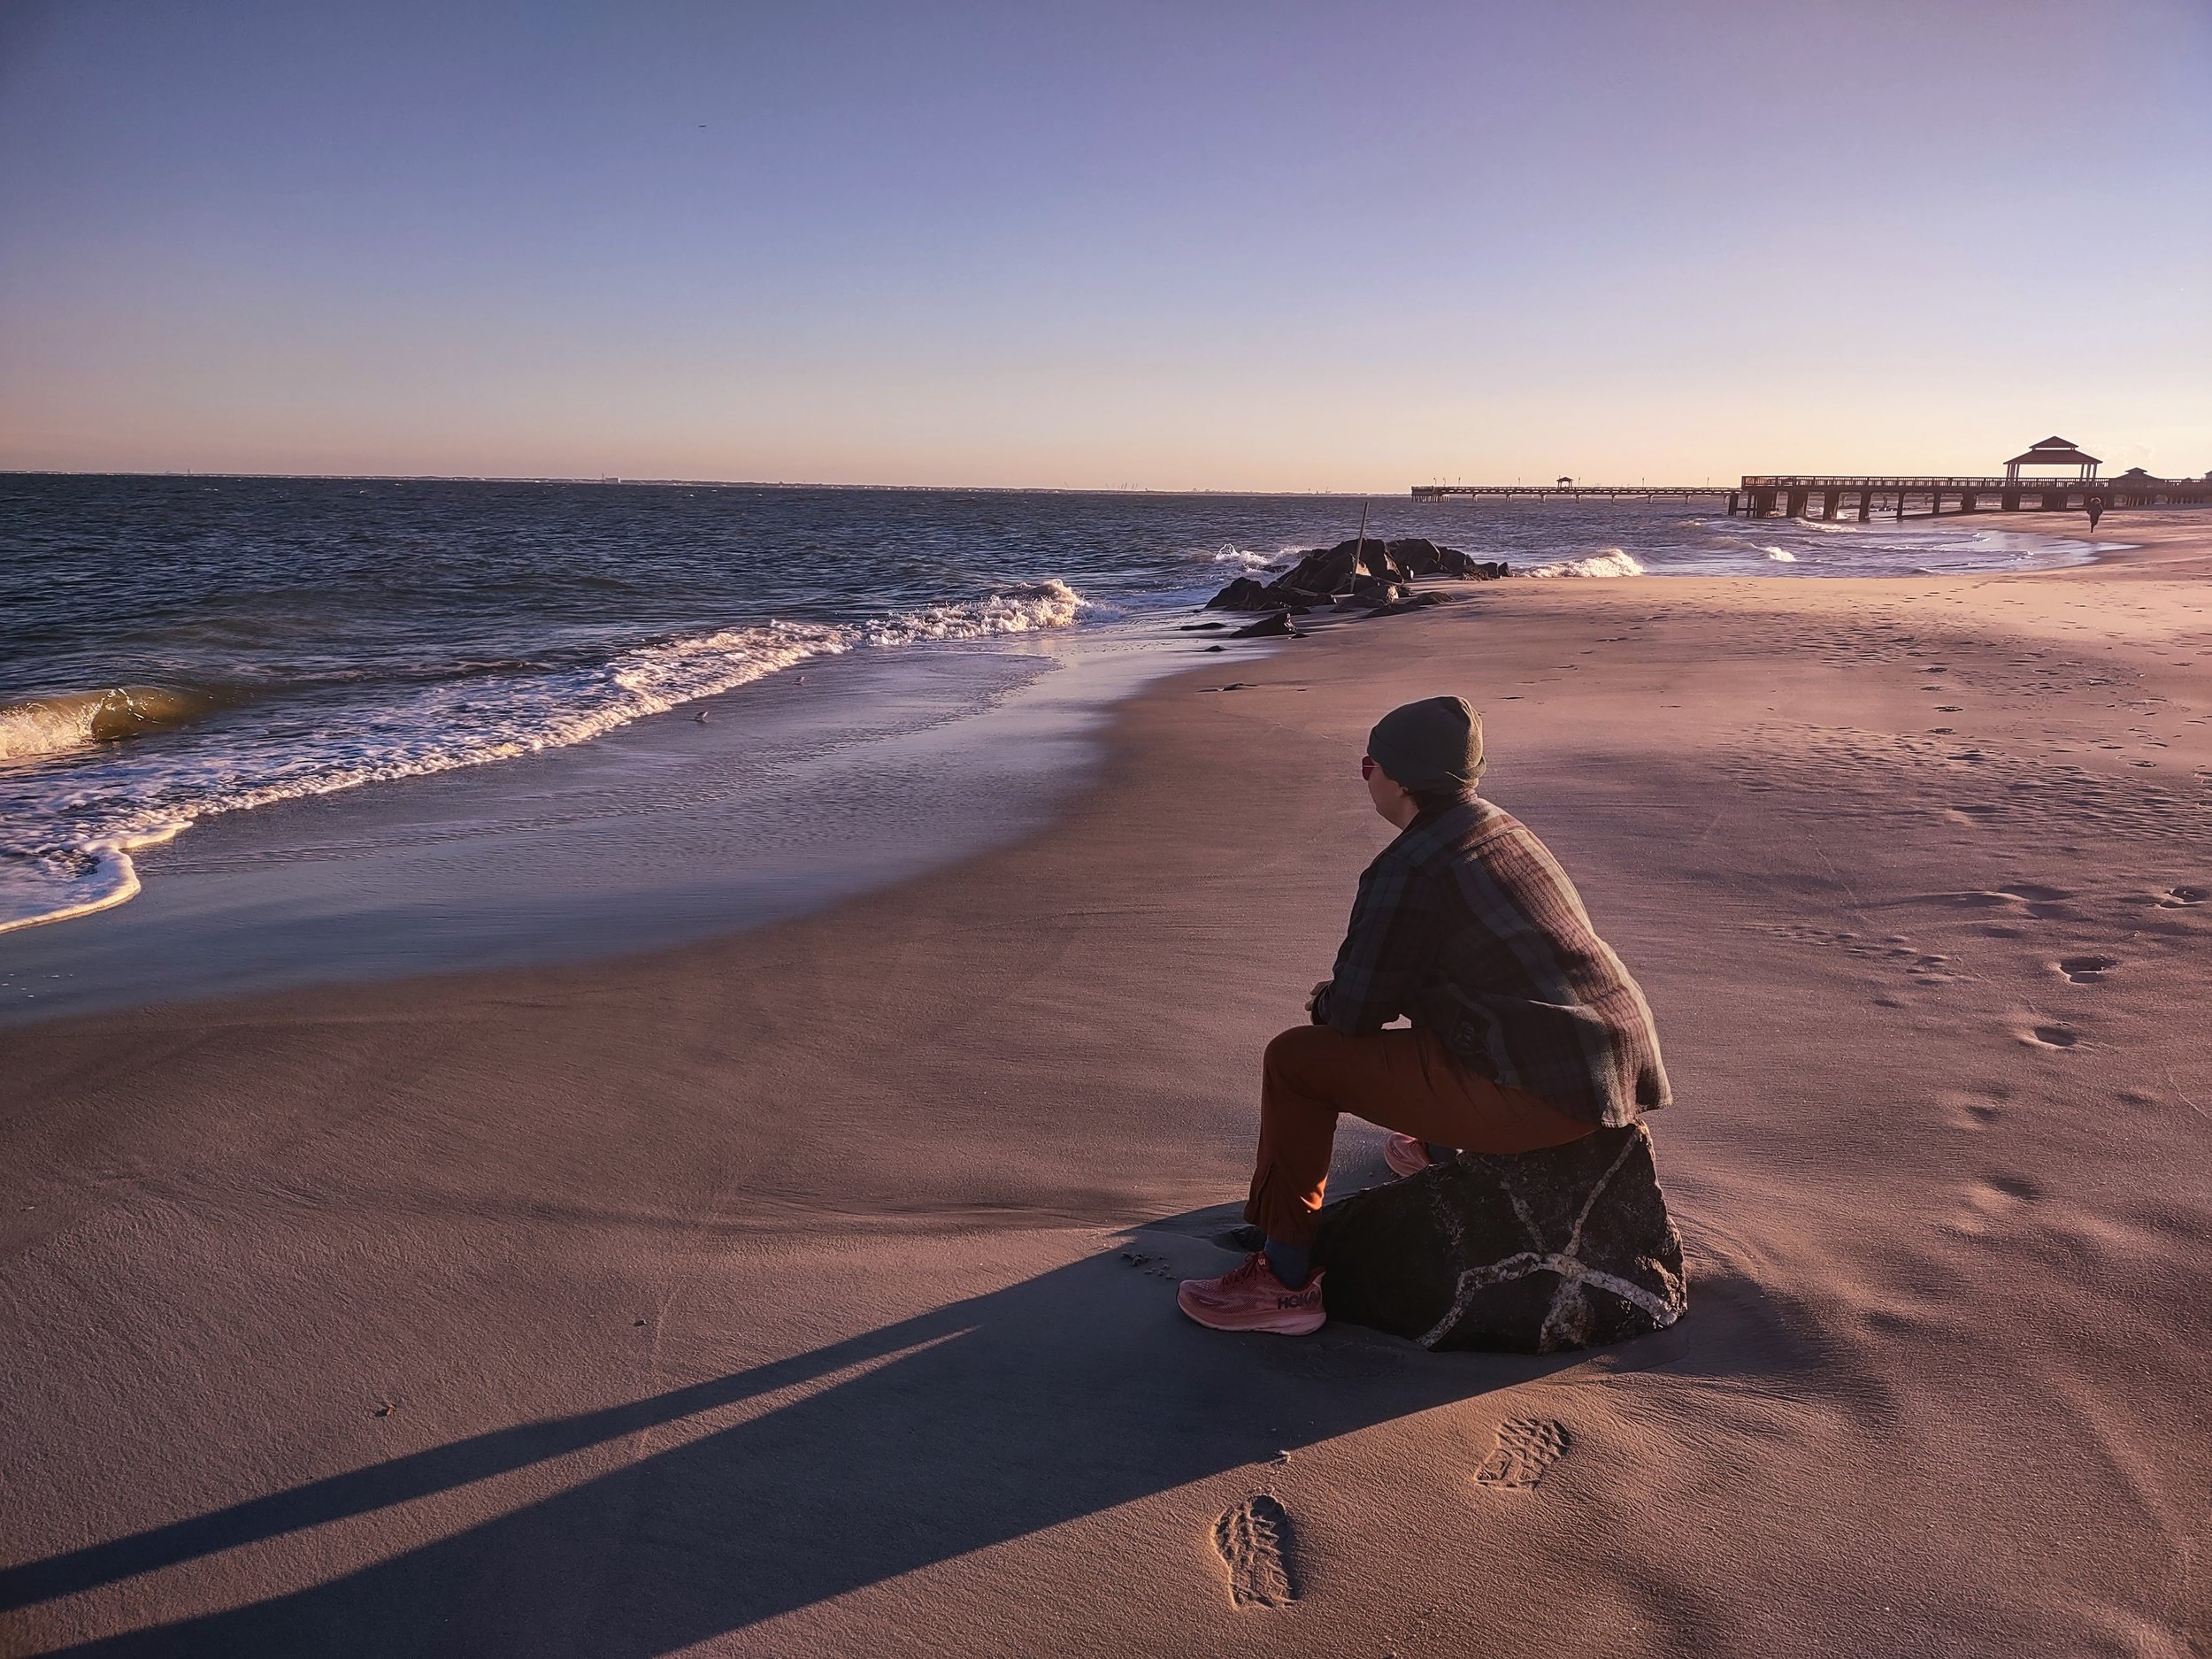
x=1579 y=492
x=1762 y=496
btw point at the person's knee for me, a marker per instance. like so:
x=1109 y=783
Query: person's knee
x=1292 y=1053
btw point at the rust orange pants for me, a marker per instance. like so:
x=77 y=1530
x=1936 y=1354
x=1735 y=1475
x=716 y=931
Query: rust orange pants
x=1401 y=1079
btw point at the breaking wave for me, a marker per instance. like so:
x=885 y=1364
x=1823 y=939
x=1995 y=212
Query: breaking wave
x=68 y=854
x=1046 y=604
x=1612 y=561
x=1244 y=560
x=1780 y=554
x=39 y=726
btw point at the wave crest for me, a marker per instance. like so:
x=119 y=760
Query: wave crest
x=39 y=726
x=1611 y=561
x=1047 y=604
x=1245 y=559
x=659 y=677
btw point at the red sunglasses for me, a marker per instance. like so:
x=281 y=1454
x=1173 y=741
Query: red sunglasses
x=1366 y=765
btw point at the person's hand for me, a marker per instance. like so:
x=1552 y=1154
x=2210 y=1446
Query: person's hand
x=1314 y=995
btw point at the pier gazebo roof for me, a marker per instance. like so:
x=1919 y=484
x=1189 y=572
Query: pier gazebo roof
x=2054 y=452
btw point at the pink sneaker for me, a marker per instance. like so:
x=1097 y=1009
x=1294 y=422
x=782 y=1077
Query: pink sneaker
x=1406 y=1155
x=1251 y=1298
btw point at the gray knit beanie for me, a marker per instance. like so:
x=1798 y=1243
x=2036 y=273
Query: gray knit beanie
x=1433 y=744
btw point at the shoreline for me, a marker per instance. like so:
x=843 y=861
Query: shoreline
x=152 y=953
x=810 y=1289
x=687 y=823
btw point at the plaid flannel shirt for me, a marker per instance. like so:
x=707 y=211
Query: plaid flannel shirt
x=1466 y=925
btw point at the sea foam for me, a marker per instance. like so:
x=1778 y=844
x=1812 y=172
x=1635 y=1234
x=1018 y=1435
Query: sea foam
x=1046 y=604
x=73 y=856
x=1611 y=561
x=1245 y=560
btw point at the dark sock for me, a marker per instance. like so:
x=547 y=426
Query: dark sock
x=1291 y=1264
x=1440 y=1154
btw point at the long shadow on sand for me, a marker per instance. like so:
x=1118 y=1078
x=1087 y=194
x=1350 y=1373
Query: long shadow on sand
x=978 y=1423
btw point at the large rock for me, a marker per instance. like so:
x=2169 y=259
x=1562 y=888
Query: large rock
x=1418 y=555
x=1452 y=562
x=1322 y=573
x=1355 y=567
x=1327 y=572
x=1244 y=594
x=1375 y=558
x=1370 y=590
x=1533 y=1252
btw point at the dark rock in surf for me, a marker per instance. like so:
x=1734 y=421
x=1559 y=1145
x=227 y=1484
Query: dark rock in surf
x=1531 y=1252
x=1357 y=569
x=1275 y=627
x=1244 y=594
x=1202 y=627
x=1417 y=555
x=1452 y=562
x=1375 y=558
x=1421 y=556
x=1325 y=571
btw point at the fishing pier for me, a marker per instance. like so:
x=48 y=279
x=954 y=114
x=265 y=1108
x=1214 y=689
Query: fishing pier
x=1812 y=497
x=1569 y=489
x=1833 y=497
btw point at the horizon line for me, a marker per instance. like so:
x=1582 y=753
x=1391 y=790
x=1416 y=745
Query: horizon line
x=727 y=483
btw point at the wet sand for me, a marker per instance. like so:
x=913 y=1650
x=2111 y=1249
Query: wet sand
x=810 y=1290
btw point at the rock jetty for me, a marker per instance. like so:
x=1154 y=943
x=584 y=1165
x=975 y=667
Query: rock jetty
x=1365 y=572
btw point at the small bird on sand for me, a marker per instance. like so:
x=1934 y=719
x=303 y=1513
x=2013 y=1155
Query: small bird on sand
x=701 y=717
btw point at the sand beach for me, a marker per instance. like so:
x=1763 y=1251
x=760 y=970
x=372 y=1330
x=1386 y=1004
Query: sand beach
x=811 y=1290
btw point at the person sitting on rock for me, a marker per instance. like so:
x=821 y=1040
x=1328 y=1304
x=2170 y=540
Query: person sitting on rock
x=1525 y=1029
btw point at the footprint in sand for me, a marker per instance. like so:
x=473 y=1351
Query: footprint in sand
x=2043 y=903
x=2086 y=970
x=1990 y=1202
x=1526 y=1446
x=2050 y=1036
x=2174 y=898
x=1254 y=1539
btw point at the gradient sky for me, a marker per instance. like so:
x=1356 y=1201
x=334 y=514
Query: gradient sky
x=1210 y=245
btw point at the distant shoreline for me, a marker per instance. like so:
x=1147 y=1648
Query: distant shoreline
x=699 y=483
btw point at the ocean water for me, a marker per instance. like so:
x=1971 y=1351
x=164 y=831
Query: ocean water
x=171 y=648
